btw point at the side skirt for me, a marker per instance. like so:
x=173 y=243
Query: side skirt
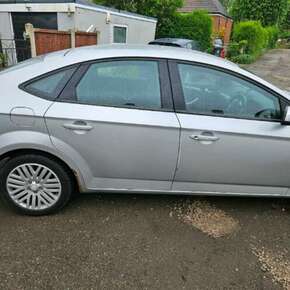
x=202 y=189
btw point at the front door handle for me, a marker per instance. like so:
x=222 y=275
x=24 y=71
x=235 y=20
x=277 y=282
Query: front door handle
x=78 y=126
x=204 y=138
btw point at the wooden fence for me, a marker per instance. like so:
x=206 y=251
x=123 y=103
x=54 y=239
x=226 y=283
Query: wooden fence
x=222 y=26
x=47 y=40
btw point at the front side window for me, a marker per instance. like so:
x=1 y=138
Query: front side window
x=49 y=86
x=212 y=92
x=130 y=83
x=120 y=34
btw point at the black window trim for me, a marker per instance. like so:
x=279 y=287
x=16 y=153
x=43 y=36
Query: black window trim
x=178 y=96
x=58 y=90
x=68 y=94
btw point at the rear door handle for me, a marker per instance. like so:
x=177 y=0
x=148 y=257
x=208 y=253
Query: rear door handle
x=204 y=138
x=78 y=126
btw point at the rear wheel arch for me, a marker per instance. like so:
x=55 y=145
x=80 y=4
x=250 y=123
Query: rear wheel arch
x=19 y=152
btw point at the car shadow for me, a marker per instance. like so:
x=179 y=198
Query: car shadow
x=126 y=202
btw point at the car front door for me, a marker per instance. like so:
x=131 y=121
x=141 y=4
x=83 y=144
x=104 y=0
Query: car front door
x=232 y=140
x=118 y=116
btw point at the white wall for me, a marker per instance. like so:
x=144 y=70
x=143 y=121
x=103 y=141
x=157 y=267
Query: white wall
x=85 y=18
x=7 y=35
x=65 y=21
x=6 y=30
x=139 y=31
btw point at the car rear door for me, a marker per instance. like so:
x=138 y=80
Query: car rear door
x=118 y=116
x=232 y=140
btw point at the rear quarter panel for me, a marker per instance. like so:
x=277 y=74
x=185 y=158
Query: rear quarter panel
x=22 y=125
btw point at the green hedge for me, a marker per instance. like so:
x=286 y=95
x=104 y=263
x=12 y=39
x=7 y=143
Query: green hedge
x=272 y=36
x=250 y=39
x=196 y=26
x=253 y=33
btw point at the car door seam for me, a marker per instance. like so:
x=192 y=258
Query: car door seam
x=178 y=153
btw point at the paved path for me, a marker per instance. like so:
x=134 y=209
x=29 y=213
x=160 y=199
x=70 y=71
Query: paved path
x=274 y=66
x=153 y=242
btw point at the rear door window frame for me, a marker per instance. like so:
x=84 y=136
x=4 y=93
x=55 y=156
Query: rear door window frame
x=68 y=94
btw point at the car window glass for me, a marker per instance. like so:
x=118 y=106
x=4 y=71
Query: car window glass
x=49 y=86
x=121 y=84
x=209 y=91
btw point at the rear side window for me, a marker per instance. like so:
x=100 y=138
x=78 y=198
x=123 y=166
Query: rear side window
x=49 y=86
x=130 y=83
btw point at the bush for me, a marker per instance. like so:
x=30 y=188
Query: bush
x=243 y=58
x=253 y=33
x=272 y=36
x=236 y=48
x=3 y=60
x=284 y=34
x=250 y=39
x=196 y=26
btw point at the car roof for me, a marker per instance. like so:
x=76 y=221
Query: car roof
x=60 y=59
x=88 y=53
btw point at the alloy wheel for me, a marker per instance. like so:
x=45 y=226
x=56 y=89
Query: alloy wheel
x=33 y=186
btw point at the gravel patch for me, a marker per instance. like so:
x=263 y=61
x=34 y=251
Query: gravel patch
x=207 y=218
x=274 y=263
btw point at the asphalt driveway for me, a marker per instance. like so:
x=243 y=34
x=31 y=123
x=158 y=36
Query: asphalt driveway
x=153 y=242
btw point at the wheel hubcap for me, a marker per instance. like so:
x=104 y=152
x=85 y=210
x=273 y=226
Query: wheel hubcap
x=33 y=186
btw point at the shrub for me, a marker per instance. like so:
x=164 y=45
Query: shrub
x=243 y=58
x=233 y=49
x=250 y=39
x=196 y=26
x=236 y=48
x=3 y=60
x=284 y=34
x=253 y=33
x=272 y=36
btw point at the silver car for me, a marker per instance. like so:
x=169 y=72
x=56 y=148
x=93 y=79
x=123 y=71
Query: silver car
x=140 y=119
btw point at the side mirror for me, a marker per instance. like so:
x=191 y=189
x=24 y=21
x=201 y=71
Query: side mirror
x=286 y=116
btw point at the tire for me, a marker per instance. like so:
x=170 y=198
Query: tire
x=35 y=184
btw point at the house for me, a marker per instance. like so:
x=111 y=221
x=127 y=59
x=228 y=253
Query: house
x=222 y=22
x=113 y=26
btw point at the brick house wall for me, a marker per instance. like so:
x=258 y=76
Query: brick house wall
x=222 y=25
x=222 y=22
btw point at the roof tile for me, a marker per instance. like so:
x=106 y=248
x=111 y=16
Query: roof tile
x=212 y=6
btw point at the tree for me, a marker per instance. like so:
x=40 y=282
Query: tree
x=268 y=12
x=196 y=25
x=163 y=10
x=227 y=4
x=286 y=22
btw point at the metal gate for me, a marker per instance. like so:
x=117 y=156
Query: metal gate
x=13 y=51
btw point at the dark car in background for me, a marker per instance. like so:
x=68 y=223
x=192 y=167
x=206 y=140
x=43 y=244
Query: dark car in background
x=177 y=42
x=218 y=45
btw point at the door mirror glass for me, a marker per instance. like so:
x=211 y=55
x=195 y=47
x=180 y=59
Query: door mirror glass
x=286 y=116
